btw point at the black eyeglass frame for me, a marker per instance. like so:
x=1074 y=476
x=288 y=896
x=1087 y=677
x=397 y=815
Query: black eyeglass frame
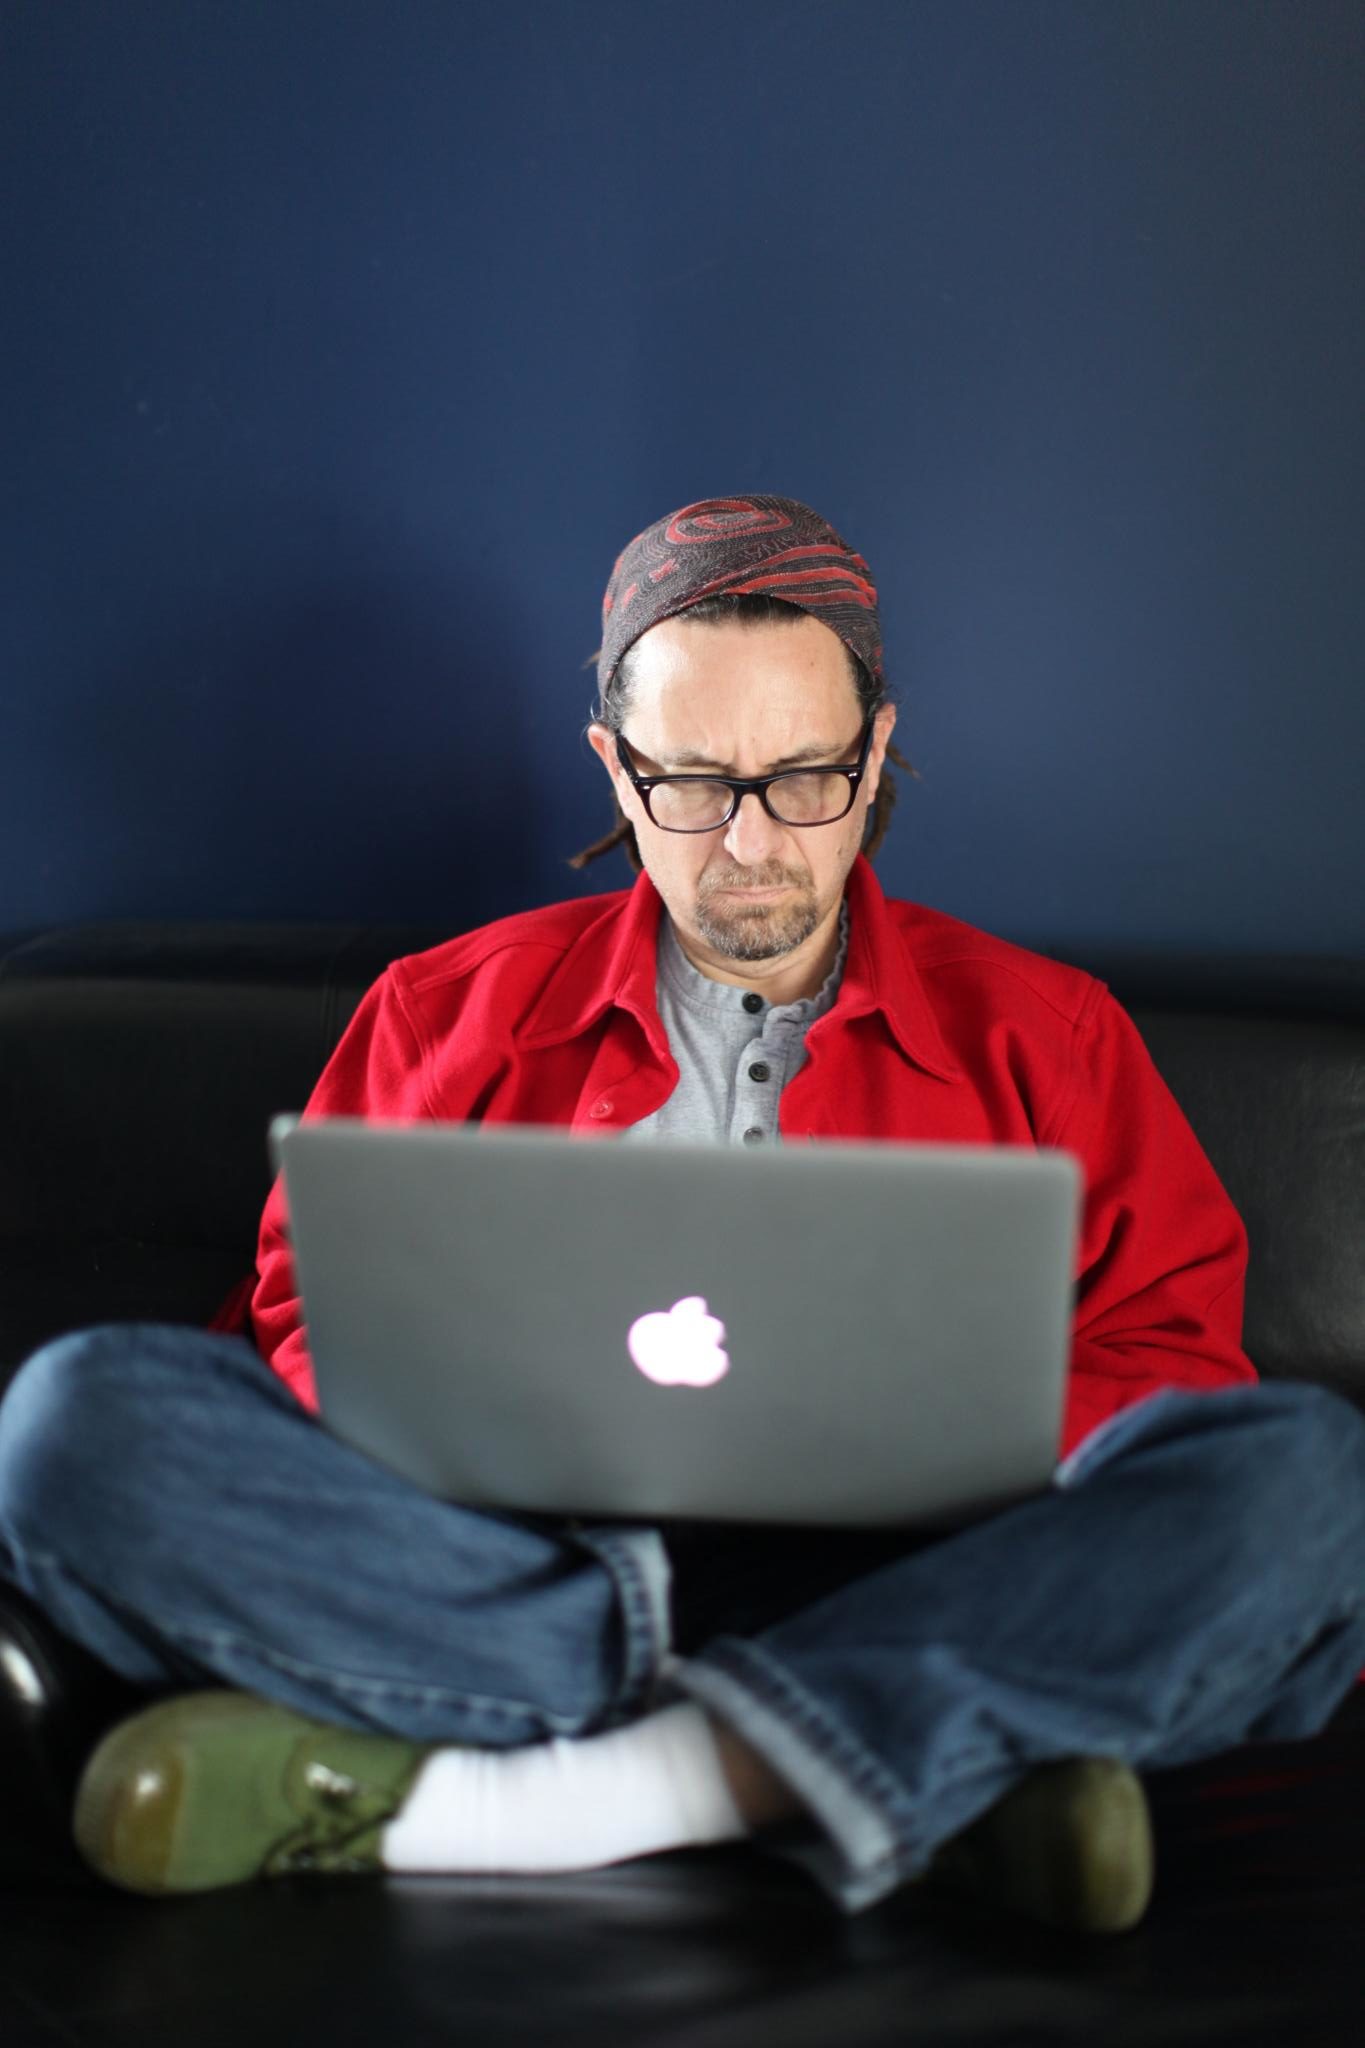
x=757 y=785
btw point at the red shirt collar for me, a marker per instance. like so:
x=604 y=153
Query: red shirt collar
x=614 y=963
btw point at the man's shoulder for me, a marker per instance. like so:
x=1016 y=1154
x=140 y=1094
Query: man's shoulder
x=529 y=939
x=952 y=955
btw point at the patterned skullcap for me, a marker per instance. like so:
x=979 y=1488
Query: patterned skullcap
x=773 y=547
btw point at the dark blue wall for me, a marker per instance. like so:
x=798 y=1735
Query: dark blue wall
x=346 y=343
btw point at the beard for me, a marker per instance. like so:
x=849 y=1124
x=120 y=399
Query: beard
x=757 y=931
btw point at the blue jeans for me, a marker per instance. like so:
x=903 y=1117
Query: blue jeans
x=1193 y=1578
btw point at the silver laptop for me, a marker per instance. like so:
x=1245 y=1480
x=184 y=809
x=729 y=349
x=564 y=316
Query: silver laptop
x=854 y=1334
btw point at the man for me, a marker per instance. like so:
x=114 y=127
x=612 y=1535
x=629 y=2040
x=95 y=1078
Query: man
x=363 y=1678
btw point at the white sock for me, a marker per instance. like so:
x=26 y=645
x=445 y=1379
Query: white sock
x=655 y=1784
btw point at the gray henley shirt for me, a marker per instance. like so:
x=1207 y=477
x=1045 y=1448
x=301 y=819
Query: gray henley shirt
x=735 y=1052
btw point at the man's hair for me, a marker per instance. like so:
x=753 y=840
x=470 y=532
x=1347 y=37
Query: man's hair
x=750 y=609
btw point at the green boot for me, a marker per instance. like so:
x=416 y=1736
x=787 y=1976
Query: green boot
x=215 y=1788
x=1070 y=1845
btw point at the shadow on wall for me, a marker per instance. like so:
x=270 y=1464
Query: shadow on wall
x=348 y=748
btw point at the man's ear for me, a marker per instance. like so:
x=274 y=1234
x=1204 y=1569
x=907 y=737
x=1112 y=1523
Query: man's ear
x=883 y=725
x=602 y=740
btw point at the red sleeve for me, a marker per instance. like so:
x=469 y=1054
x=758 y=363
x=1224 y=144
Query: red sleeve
x=377 y=1070
x=1163 y=1253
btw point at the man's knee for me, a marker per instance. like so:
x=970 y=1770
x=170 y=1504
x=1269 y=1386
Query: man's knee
x=79 y=1416
x=1305 y=1484
x=1314 y=1430
x=1268 y=1475
x=52 y=1418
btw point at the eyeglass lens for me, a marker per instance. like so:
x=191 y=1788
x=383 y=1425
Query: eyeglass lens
x=806 y=797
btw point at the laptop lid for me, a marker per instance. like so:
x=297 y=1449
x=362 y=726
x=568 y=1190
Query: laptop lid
x=836 y=1333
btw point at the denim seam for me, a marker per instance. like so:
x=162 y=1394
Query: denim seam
x=376 y=1688
x=192 y=1640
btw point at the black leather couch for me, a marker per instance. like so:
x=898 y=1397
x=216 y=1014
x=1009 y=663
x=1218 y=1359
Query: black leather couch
x=138 y=1067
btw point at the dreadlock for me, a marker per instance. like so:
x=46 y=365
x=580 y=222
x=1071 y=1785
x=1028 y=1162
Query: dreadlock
x=749 y=610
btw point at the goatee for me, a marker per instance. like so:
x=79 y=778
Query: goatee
x=757 y=931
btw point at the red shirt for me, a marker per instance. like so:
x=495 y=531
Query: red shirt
x=940 y=1033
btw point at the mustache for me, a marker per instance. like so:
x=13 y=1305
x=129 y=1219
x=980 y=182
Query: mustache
x=772 y=875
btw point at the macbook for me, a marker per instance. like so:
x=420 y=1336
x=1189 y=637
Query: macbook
x=843 y=1334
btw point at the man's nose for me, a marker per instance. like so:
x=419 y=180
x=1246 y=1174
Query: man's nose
x=751 y=835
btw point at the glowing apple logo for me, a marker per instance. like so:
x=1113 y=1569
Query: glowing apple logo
x=680 y=1347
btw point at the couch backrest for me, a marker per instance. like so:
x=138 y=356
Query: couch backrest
x=140 y=1064
x=1278 y=1103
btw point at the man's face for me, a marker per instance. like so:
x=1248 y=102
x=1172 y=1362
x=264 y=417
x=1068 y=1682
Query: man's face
x=745 y=700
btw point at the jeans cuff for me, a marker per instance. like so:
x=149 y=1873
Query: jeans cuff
x=642 y=1574
x=863 y=1854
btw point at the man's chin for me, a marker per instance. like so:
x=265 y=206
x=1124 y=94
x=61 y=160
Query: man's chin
x=761 y=933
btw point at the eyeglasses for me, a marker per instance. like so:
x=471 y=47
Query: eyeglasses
x=703 y=803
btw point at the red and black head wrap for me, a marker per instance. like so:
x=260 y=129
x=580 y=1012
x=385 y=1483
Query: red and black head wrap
x=740 y=547
x=731 y=547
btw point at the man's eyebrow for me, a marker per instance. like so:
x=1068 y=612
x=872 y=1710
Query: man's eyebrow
x=823 y=750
